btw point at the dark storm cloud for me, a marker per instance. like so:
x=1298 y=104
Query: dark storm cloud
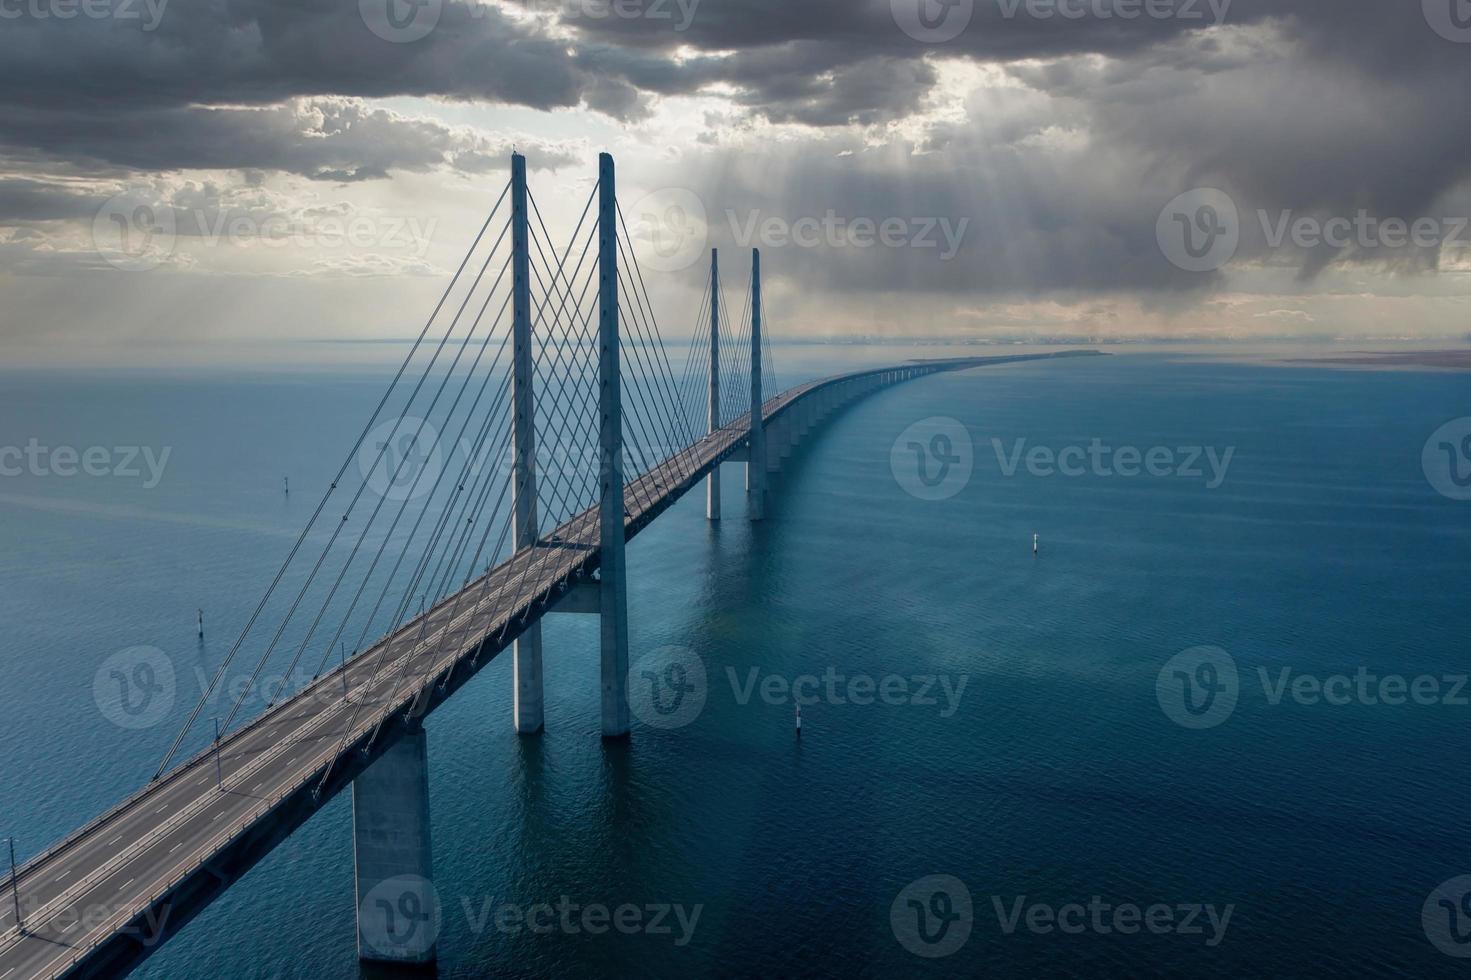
x=100 y=93
x=822 y=62
x=1318 y=106
x=324 y=138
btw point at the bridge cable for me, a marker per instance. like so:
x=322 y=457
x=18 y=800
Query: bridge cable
x=316 y=514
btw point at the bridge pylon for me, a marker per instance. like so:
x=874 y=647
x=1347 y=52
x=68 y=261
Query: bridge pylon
x=527 y=699
x=756 y=456
x=712 y=483
x=613 y=572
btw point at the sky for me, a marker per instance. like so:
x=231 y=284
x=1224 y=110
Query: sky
x=186 y=176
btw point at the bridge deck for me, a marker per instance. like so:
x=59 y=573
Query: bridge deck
x=117 y=875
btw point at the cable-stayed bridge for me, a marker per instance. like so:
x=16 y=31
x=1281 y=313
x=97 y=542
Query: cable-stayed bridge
x=413 y=574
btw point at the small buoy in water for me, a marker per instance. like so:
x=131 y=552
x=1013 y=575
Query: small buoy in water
x=1034 y=543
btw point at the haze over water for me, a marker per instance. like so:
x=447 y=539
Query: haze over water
x=1057 y=776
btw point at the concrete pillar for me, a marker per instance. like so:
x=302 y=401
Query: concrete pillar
x=527 y=701
x=756 y=466
x=398 y=909
x=712 y=483
x=612 y=569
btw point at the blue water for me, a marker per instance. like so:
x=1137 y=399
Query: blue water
x=1058 y=777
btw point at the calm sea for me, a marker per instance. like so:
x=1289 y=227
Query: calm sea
x=1021 y=739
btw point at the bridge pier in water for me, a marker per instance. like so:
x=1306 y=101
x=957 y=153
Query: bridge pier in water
x=398 y=911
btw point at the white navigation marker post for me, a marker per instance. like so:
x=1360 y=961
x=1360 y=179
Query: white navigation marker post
x=712 y=483
x=756 y=457
x=613 y=591
x=527 y=699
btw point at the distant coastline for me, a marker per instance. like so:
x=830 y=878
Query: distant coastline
x=1439 y=360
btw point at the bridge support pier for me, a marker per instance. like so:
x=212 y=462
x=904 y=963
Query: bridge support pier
x=398 y=909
